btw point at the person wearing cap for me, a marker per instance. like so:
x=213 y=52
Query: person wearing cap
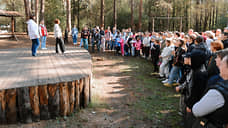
x=212 y=108
x=33 y=33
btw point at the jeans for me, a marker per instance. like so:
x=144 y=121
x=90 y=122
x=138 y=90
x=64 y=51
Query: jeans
x=112 y=44
x=35 y=46
x=85 y=43
x=174 y=74
x=43 y=41
x=75 y=39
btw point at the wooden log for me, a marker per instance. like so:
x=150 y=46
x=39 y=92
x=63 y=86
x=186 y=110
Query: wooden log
x=90 y=89
x=53 y=100
x=23 y=105
x=2 y=107
x=86 y=91
x=71 y=87
x=43 y=95
x=81 y=95
x=77 y=94
x=34 y=101
x=64 y=99
x=11 y=107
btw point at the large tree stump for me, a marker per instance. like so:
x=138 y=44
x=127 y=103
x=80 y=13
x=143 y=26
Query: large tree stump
x=24 y=107
x=71 y=87
x=81 y=90
x=34 y=101
x=77 y=93
x=43 y=94
x=2 y=107
x=53 y=100
x=64 y=99
x=11 y=107
x=86 y=92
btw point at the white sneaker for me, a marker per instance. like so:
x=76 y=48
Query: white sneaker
x=165 y=81
x=43 y=48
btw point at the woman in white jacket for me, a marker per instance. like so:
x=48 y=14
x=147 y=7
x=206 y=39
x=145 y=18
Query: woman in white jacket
x=33 y=33
x=165 y=55
x=58 y=37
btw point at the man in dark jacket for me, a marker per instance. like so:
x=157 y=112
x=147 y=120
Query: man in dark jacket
x=213 y=106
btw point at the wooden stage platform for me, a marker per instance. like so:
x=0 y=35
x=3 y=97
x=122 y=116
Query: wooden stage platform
x=45 y=86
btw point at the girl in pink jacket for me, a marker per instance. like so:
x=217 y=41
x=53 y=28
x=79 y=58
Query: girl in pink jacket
x=138 y=46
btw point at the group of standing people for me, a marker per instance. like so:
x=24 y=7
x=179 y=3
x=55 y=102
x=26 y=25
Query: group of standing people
x=35 y=32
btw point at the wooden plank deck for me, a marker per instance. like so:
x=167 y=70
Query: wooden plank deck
x=19 y=69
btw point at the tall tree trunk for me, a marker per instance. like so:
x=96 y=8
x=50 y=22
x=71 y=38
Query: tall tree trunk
x=78 y=18
x=102 y=14
x=42 y=9
x=213 y=15
x=27 y=9
x=74 y=12
x=168 y=15
x=68 y=9
x=37 y=11
x=140 y=15
x=174 y=5
x=114 y=14
x=216 y=13
x=210 y=19
x=132 y=14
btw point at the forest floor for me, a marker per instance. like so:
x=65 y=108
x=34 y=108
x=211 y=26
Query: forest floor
x=124 y=95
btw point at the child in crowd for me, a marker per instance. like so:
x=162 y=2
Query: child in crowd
x=155 y=52
x=138 y=46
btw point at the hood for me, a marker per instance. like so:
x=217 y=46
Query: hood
x=29 y=21
x=198 y=58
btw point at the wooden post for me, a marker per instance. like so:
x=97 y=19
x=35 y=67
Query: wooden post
x=86 y=91
x=64 y=99
x=43 y=93
x=11 y=107
x=81 y=87
x=34 y=101
x=24 y=106
x=77 y=91
x=53 y=100
x=12 y=25
x=2 y=107
x=71 y=87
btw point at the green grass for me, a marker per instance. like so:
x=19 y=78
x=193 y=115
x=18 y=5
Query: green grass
x=158 y=104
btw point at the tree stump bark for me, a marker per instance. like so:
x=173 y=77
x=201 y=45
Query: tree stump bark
x=2 y=107
x=43 y=94
x=81 y=95
x=53 y=100
x=24 y=107
x=77 y=93
x=11 y=107
x=34 y=101
x=86 y=92
x=64 y=99
x=71 y=87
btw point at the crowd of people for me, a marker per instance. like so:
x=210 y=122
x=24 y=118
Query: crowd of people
x=195 y=64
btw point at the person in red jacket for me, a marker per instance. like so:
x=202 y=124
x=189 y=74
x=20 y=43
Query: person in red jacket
x=43 y=34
